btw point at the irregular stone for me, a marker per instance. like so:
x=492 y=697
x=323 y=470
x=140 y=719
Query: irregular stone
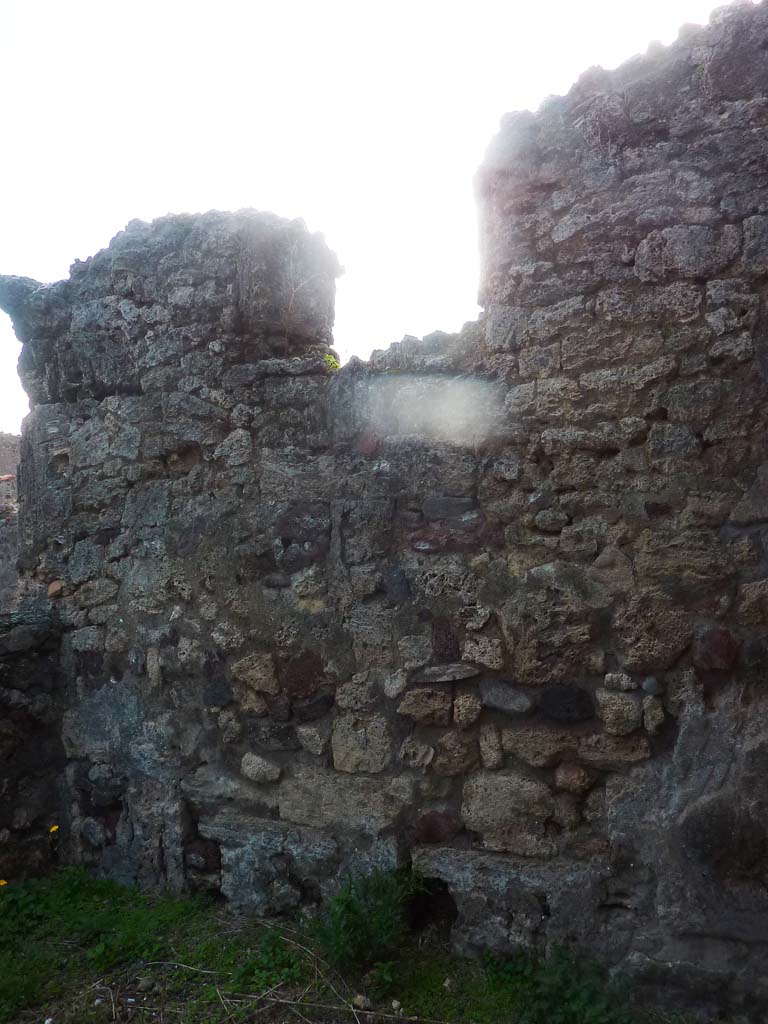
x=583 y=540
x=732 y=306
x=626 y=382
x=394 y=684
x=455 y=753
x=415 y=754
x=690 y=250
x=613 y=570
x=497 y=804
x=85 y=561
x=689 y=559
x=501 y=696
x=653 y=633
x=466 y=709
x=738 y=349
x=678 y=303
x=521 y=400
x=755 y=256
x=446 y=673
x=415 y=651
x=427 y=706
x=619 y=681
x=476 y=617
x=754 y=652
x=507 y=468
x=372 y=628
x=96 y=592
x=491 y=753
x=539 y=746
x=227 y=636
x=684 y=692
x=257 y=674
x=89 y=638
x=263 y=873
x=323 y=798
x=359 y=693
x=613 y=752
x=540 y=362
x=236 y=449
x=484 y=650
x=752 y=604
x=93 y=832
x=671 y=439
x=551 y=520
x=314 y=737
x=653 y=714
x=753 y=507
x=620 y=713
x=361 y=744
x=259 y=769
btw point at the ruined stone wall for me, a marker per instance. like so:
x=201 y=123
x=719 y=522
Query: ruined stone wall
x=165 y=382
x=495 y=602
x=625 y=247
x=9 y=461
x=31 y=754
x=9 y=453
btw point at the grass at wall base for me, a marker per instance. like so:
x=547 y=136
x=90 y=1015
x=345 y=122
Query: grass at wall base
x=76 y=950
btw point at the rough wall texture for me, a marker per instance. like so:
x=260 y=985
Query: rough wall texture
x=496 y=601
x=31 y=753
x=9 y=462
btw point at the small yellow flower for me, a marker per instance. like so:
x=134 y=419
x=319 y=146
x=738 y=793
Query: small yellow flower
x=3 y=881
x=54 y=828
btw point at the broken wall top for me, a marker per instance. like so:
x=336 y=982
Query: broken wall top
x=217 y=288
x=666 y=150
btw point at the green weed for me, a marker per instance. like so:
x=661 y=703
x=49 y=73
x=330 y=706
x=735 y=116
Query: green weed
x=273 y=964
x=524 y=989
x=366 y=921
x=561 y=989
x=382 y=978
x=53 y=928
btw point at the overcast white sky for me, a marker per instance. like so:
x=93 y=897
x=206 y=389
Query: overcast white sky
x=368 y=119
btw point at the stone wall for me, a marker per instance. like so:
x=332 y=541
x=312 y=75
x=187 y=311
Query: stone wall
x=9 y=453
x=31 y=754
x=9 y=461
x=495 y=602
x=625 y=247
